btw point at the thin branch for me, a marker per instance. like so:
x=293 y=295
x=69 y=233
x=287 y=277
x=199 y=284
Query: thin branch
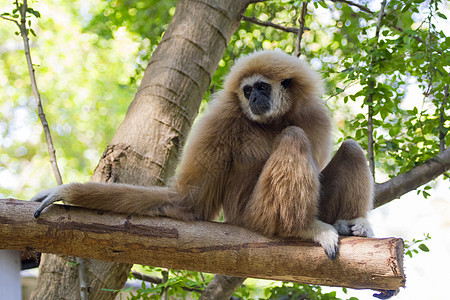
x=380 y=18
x=82 y=278
x=165 y=294
x=361 y=7
x=301 y=29
x=370 y=140
x=157 y=280
x=51 y=150
x=352 y=83
x=147 y=278
x=442 y=133
x=369 y=101
x=399 y=29
x=11 y=20
x=37 y=96
x=270 y=24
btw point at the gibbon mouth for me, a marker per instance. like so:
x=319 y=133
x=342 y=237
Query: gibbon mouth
x=260 y=109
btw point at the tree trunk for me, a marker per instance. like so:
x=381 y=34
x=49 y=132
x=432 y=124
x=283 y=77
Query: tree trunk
x=146 y=146
x=200 y=246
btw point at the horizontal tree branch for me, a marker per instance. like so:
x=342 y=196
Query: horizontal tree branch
x=351 y=3
x=221 y=287
x=147 y=278
x=199 y=246
x=411 y=180
x=270 y=24
x=11 y=20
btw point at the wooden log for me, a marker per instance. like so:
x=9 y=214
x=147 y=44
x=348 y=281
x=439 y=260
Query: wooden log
x=363 y=263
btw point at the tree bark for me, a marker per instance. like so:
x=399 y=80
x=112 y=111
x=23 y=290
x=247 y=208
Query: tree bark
x=146 y=146
x=200 y=246
x=221 y=287
x=411 y=180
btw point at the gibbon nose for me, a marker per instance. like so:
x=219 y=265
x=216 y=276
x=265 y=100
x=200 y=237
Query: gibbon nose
x=259 y=103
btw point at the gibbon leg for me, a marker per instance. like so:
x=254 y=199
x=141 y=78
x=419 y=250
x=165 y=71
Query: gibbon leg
x=285 y=199
x=346 y=192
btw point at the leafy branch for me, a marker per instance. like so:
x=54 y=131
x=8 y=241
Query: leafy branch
x=21 y=22
x=369 y=100
x=415 y=245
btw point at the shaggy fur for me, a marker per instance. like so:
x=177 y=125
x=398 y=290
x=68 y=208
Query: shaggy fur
x=265 y=171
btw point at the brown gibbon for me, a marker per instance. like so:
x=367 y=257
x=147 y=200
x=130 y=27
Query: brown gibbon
x=260 y=153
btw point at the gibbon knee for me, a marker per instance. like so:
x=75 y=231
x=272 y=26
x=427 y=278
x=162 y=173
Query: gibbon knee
x=285 y=198
x=346 y=185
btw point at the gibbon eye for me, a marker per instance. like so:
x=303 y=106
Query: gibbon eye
x=247 y=91
x=286 y=82
x=262 y=86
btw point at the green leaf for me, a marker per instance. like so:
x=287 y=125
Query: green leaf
x=441 y=15
x=323 y=4
x=34 y=12
x=424 y=248
x=394 y=130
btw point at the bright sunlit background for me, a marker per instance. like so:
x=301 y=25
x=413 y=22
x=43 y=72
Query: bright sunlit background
x=73 y=68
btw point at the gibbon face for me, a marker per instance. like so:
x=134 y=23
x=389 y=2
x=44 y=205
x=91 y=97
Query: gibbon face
x=269 y=84
x=263 y=99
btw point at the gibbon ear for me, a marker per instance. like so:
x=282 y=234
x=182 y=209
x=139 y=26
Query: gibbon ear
x=285 y=83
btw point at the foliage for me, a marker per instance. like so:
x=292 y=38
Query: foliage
x=178 y=284
x=415 y=245
x=89 y=57
x=298 y=291
x=84 y=85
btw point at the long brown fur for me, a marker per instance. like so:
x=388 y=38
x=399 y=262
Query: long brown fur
x=267 y=175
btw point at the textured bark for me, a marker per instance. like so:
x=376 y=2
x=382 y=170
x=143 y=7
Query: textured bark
x=221 y=287
x=145 y=148
x=200 y=246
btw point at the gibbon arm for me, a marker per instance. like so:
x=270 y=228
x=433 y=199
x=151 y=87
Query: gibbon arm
x=195 y=193
x=122 y=198
x=285 y=199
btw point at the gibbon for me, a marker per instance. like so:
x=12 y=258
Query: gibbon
x=260 y=153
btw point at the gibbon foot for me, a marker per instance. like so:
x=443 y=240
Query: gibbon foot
x=325 y=235
x=355 y=227
x=47 y=198
x=386 y=294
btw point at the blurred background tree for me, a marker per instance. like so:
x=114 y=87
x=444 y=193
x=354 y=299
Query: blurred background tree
x=90 y=56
